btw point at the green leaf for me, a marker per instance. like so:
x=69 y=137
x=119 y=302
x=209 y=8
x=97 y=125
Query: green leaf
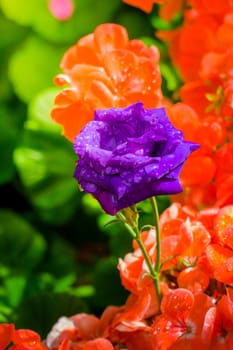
x=107 y=284
x=21 y=246
x=20 y=11
x=136 y=22
x=46 y=164
x=14 y=286
x=33 y=67
x=15 y=33
x=170 y=76
x=5 y=313
x=39 y=112
x=8 y=139
x=61 y=257
x=88 y=14
x=41 y=312
x=85 y=291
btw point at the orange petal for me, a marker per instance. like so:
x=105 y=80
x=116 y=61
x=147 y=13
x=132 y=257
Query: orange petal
x=224 y=218
x=98 y=344
x=224 y=189
x=73 y=118
x=25 y=337
x=193 y=279
x=184 y=118
x=217 y=255
x=165 y=333
x=224 y=272
x=198 y=170
x=120 y=66
x=177 y=304
x=6 y=333
x=225 y=32
x=194 y=94
x=140 y=49
x=87 y=325
x=110 y=36
x=201 y=239
x=202 y=303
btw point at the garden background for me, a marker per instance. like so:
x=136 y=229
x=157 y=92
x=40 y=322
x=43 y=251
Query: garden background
x=58 y=253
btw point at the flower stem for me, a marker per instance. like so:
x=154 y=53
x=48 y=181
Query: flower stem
x=158 y=245
x=122 y=219
x=146 y=257
x=135 y=233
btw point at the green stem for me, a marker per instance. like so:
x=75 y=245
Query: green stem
x=136 y=235
x=122 y=218
x=158 y=246
x=146 y=257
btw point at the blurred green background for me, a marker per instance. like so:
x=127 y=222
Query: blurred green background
x=57 y=255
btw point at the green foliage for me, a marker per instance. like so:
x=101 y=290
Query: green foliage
x=39 y=112
x=8 y=141
x=20 y=11
x=107 y=284
x=45 y=162
x=30 y=245
x=41 y=312
x=30 y=70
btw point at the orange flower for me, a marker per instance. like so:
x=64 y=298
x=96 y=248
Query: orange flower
x=200 y=168
x=26 y=339
x=224 y=189
x=204 y=178
x=20 y=339
x=223 y=329
x=193 y=279
x=184 y=239
x=213 y=7
x=6 y=333
x=115 y=326
x=189 y=43
x=105 y=69
x=225 y=31
x=220 y=253
x=144 y=5
x=186 y=322
x=82 y=331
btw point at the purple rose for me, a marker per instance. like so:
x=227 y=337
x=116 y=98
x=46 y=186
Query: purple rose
x=129 y=154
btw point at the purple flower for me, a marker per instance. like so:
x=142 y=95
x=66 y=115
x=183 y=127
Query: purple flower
x=129 y=154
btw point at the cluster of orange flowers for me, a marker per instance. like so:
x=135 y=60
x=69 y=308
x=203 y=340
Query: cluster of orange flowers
x=202 y=49
x=105 y=69
x=197 y=303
